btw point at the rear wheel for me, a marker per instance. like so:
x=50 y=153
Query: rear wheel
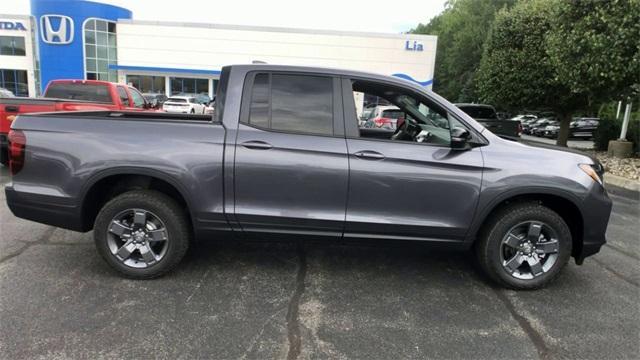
x=142 y=234
x=524 y=246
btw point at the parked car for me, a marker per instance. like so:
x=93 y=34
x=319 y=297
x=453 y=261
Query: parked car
x=155 y=99
x=583 y=127
x=296 y=164
x=70 y=95
x=183 y=105
x=551 y=130
x=4 y=93
x=486 y=115
x=527 y=124
x=384 y=117
x=524 y=117
x=537 y=128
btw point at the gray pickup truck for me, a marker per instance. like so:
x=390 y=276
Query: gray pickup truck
x=283 y=156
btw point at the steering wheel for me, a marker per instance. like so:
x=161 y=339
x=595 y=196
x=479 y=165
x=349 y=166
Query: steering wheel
x=407 y=130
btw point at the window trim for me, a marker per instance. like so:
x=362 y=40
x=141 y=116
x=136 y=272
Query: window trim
x=247 y=92
x=351 y=120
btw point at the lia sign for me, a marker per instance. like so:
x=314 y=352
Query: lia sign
x=12 y=25
x=413 y=46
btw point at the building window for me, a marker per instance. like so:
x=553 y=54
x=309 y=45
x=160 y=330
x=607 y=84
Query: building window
x=100 y=49
x=12 y=45
x=147 y=84
x=14 y=81
x=189 y=86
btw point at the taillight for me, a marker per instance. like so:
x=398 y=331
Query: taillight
x=17 y=144
x=382 y=121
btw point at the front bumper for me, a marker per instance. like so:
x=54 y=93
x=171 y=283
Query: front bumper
x=596 y=210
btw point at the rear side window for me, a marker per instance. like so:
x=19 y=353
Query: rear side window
x=79 y=91
x=293 y=103
x=124 y=98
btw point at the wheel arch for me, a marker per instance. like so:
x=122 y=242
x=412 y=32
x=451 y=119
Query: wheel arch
x=563 y=203
x=107 y=184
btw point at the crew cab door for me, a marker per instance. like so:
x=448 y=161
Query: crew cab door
x=403 y=189
x=291 y=167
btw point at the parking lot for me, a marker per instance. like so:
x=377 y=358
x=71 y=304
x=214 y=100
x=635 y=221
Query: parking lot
x=575 y=143
x=311 y=300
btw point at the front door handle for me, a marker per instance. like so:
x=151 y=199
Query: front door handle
x=257 y=145
x=368 y=154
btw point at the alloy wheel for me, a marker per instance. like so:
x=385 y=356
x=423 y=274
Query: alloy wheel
x=529 y=250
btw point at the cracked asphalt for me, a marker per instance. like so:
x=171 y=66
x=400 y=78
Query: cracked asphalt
x=252 y=300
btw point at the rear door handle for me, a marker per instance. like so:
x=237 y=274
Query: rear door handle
x=368 y=154
x=257 y=145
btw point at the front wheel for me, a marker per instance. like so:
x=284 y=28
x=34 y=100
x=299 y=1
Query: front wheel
x=142 y=234
x=524 y=246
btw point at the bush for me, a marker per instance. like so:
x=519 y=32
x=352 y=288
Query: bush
x=609 y=129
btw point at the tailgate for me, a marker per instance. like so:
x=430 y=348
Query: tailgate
x=501 y=127
x=9 y=108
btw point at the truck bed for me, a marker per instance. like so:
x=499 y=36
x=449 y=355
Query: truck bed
x=74 y=150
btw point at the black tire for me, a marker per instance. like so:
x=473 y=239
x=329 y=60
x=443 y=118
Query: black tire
x=162 y=206
x=489 y=245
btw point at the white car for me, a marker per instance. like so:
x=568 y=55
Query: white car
x=524 y=117
x=183 y=105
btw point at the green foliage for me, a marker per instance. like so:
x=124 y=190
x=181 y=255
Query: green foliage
x=461 y=29
x=594 y=47
x=515 y=70
x=609 y=129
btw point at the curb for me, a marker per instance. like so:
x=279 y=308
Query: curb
x=619 y=181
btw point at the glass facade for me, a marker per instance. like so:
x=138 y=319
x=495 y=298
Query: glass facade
x=12 y=45
x=15 y=81
x=189 y=86
x=147 y=84
x=100 y=49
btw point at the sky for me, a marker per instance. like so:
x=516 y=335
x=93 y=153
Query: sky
x=347 y=15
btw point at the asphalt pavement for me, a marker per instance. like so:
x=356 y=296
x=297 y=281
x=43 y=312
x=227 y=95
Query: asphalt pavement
x=259 y=300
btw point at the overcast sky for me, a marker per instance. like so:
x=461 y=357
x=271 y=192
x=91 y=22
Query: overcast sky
x=372 y=16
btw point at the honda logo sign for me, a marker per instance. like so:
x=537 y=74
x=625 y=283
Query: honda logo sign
x=56 y=29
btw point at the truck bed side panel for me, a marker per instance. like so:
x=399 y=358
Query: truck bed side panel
x=65 y=155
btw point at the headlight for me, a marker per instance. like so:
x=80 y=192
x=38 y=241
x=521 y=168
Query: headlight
x=589 y=170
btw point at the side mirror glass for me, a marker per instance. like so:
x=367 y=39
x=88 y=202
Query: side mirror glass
x=460 y=138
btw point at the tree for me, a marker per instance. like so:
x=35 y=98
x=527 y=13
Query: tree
x=594 y=47
x=461 y=29
x=516 y=72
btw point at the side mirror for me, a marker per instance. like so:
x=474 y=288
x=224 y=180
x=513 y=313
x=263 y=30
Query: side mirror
x=460 y=138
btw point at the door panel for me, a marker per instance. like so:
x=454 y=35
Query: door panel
x=287 y=182
x=411 y=190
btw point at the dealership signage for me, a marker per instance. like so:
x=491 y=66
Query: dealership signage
x=413 y=46
x=56 y=29
x=12 y=25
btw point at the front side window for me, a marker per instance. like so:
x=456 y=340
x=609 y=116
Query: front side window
x=138 y=99
x=12 y=45
x=293 y=103
x=400 y=115
x=124 y=98
x=100 y=49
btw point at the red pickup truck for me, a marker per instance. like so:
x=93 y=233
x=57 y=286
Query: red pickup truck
x=70 y=95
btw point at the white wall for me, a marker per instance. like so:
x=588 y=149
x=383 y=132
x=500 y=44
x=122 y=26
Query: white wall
x=210 y=47
x=21 y=62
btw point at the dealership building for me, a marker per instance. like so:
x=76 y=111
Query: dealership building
x=77 y=39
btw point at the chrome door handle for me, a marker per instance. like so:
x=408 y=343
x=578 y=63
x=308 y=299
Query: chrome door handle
x=368 y=154
x=257 y=145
